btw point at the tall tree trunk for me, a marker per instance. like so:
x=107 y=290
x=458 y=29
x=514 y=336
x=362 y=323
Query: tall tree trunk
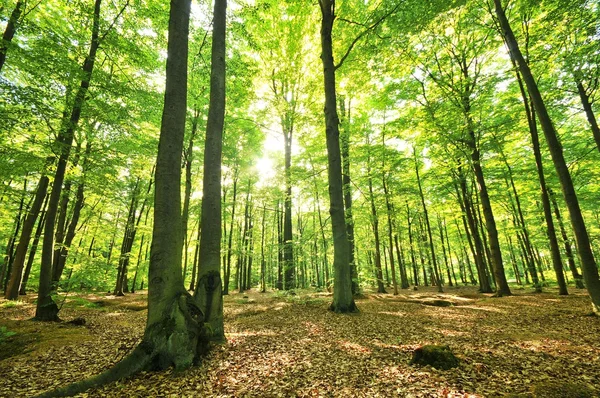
x=484 y=283
x=196 y=255
x=345 y=148
x=502 y=288
x=127 y=242
x=550 y=230
x=12 y=290
x=343 y=299
x=567 y=244
x=61 y=259
x=230 y=237
x=375 y=224
x=427 y=224
x=390 y=238
x=441 y=230
x=249 y=249
x=288 y=244
x=590 y=270
x=70 y=234
x=208 y=294
x=33 y=249
x=168 y=301
x=401 y=263
x=5 y=272
x=263 y=263
x=10 y=30
x=412 y=247
x=172 y=336
x=449 y=252
x=188 y=157
x=280 y=265
x=61 y=224
x=46 y=309
x=589 y=112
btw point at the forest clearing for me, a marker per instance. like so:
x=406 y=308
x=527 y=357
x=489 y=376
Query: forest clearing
x=291 y=346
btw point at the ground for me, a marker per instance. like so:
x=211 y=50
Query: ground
x=291 y=345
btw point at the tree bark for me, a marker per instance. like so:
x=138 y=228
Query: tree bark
x=412 y=247
x=46 y=309
x=465 y=203
x=188 y=157
x=208 y=293
x=230 y=237
x=589 y=112
x=33 y=249
x=346 y=180
x=343 y=300
x=375 y=225
x=390 y=238
x=288 y=244
x=127 y=243
x=12 y=290
x=10 y=30
x=589 y=267
x=567 y=244
x=427 y=224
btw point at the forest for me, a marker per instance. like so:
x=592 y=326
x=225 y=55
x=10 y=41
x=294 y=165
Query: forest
x=293 y=198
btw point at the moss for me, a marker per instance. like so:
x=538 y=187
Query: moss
x=12 y=304
x=556 y=389
x=437 y=356
x=14 y=344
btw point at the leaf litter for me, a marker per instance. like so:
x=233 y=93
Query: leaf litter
x=292 y=346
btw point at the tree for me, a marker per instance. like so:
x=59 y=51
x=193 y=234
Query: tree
x=343 y=300
x=173 y=335
x=46 y=309
x=208 y=291
x=589 y=267
x=10 y=30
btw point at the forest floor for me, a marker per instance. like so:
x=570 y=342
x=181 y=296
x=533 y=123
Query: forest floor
x=291 y=345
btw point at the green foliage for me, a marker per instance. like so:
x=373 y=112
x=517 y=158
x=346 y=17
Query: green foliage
x=4 y=332
x=12 y=304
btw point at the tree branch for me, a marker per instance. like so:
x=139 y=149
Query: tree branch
x=363 y=33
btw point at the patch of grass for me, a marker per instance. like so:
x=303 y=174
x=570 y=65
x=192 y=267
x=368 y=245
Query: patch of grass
x=554 y=389
x=81 y=302
x=12 y=304
x=12 y=343
x=306 y=300
x=4 y=333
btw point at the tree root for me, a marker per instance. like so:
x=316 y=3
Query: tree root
x=138 y=360
x=178 y=339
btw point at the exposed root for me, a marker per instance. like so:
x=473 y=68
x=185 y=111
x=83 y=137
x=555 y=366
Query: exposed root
x=138 y=360
x=178 y=340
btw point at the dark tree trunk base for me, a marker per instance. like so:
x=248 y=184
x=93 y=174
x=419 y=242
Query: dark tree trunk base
x=343 y=309
x=178 y=341
x=47 y=312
